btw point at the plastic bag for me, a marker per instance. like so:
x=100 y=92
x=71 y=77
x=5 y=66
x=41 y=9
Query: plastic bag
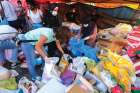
x=4 y=73
x=27 y=86
x=64 y=62
x=90 y=64
x=8 y=91
x=9 y=84
x=84 y=84
x=78 y=65
x=91 y=53
x=68 y=77
x=99 y=84
x=53 y=86
x=75 y=46
x=108 y=79
x=49 y=69
x=137 y=83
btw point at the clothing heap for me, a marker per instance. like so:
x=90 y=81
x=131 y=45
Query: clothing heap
x=107 y=67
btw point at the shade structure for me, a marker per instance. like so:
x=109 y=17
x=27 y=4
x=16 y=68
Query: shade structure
x=51 y=1
x=104 y=1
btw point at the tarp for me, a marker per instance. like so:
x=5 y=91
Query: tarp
x=51 y=1
x=115 y=5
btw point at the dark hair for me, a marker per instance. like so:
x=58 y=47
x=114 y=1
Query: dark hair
x=19 y=2
x=34 y=6
x=63 y=34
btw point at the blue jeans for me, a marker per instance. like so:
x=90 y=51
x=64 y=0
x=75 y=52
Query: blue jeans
x=4 y=22
x=29 y=53
x=8 y=44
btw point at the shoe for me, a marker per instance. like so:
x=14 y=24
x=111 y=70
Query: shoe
x=38 y=78
x=14 y=65
x=24 y=65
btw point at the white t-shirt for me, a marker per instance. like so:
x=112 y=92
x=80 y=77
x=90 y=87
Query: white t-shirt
x=35 y=17
x=7 y=32
x=9 y=10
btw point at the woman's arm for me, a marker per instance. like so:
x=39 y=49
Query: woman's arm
x=29 y=17
x=59 y=46
x=39 y=46
x=93 y=35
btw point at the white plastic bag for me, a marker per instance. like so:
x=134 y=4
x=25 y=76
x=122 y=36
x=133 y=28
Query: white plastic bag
x=8 y=91
x=49 y=69
x=53 y=86
x=27 y=86
x=78 y=65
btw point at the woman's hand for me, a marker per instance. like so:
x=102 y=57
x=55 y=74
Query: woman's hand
x=59 y=47
x=46 y=59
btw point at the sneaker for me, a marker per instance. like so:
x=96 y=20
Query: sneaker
x=38 y=78
x=14 y=65
x=24 y=65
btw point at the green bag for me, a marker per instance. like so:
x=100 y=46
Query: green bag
x=9 y=84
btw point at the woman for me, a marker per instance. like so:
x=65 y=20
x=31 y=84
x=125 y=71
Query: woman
x=36 y=40
x=21 y=15
x=35 y=16
x=50 y=17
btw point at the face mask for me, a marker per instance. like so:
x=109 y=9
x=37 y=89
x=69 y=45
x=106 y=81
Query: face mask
x=85 y=25
x=54 y=13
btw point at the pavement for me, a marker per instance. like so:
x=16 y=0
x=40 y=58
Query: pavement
x=23 y=71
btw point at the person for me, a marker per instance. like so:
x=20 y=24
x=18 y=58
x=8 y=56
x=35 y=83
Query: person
x=36 y=40
x=72 y=15
x=50 y=17
x=72 y=23
x=9 y=13
x=21 y=15
x=35 y=16
x=7 y=34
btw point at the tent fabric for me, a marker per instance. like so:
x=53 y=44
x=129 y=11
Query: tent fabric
x=121 y=12
x=51 y=1
x=114 y=5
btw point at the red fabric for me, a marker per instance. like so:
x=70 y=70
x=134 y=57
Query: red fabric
x=137 y=68
x=116 y=89
x=134 y=42
x=45 y=1
x=134 y=88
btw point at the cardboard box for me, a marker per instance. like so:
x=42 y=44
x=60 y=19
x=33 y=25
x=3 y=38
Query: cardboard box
x=81 y=85
x=76 y=89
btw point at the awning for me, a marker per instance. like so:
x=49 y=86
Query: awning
x=51 y=1
x=115 y=5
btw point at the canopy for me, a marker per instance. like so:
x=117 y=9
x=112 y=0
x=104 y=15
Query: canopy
x=51 y=1
x=104 y=1
x=115 y=5
x=98 y=3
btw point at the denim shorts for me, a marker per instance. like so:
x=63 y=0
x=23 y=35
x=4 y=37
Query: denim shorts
x=7 y=44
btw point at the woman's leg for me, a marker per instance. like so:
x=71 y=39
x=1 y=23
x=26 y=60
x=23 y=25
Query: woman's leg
x=28 y=50
x=2 y=58
x=7 y=44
